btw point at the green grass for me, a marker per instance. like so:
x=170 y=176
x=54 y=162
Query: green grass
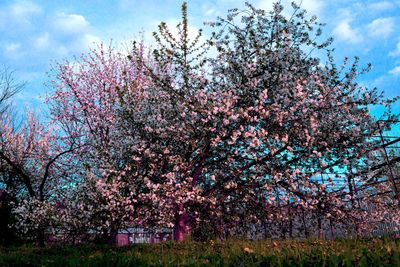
x=346 y=252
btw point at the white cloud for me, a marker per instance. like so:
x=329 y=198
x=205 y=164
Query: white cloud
x=381 y=27
x=70 y=23
x=42 y=42
x=344 y=32
x=209 y=11
x=22 y=9
x=381 y=6
x=345 y=13
x=395 y=71
x=395 y=52
x=313 y=7
x=71 y=34
x=19 y=15
x=88 y=40
x=79 y=44
x=12 y=49
x=61 y=50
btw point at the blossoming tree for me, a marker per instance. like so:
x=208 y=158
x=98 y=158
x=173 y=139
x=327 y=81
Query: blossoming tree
x=234 y=131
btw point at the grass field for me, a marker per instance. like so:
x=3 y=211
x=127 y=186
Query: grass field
x=346 y=252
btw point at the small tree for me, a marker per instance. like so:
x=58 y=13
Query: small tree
x=30 y=153
x=87 y=105
x=39 y=164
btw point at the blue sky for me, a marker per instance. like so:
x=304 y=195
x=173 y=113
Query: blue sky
x=36 y=32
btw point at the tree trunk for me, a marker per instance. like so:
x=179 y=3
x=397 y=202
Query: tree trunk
x=105 y=237
x=304 y=223
x=320 y=232
x=41 y=237
x=181 y=223
x=181 y=226
x=332 y=231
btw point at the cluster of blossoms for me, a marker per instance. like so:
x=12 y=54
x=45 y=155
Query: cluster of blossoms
x=34 y=215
